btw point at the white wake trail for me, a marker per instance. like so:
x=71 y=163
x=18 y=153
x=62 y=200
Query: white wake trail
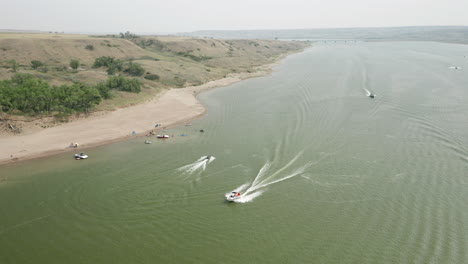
x=367 y=92
x=199 y=165
x=250 y=191
x=283 y=168
x=295 y=173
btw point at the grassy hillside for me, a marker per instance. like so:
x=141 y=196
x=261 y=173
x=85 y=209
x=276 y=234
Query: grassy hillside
x=177 y=61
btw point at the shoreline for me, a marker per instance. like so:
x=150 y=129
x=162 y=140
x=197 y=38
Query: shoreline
x=170 y=108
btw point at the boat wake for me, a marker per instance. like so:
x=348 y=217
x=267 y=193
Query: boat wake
x=197 y=166
x=368 y=93
x=250 y=191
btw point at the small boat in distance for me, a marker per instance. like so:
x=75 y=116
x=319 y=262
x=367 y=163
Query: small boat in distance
x=162 y=136
x=147 y=142
x=369 y=94
x=81 y=156
x=232 y=196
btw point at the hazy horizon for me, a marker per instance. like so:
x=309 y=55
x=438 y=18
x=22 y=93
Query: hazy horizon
x=145 y=16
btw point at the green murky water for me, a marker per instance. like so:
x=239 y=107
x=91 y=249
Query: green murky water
x=330 y=175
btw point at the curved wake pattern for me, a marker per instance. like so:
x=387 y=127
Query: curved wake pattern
x=263 y=179
x=199 y=165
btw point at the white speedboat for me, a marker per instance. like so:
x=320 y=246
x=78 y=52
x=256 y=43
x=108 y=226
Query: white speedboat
x=147 y=142
x=81 y=156
x=232 y=196
x=369 y=94
x=162 y=136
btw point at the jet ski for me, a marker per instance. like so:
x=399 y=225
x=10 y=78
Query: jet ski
x=232 y=196
x=371 y=95
x=208 y=157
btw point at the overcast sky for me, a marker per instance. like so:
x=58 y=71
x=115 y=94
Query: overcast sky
x=156 y=16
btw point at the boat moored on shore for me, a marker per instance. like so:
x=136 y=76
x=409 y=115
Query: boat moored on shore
x=81 y=156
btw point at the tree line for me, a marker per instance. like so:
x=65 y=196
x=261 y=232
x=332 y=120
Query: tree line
x=27 y=94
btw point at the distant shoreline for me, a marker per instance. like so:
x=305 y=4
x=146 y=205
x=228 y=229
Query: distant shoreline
x=171 y=108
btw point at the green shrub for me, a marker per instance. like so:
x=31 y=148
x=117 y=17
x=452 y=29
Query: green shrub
x=30 y=95
x=113 y=65
x=103 y=61
x=36 y=64
x=14 y=65
x=89 y=47
x=128 y=35
x=104 y=90
x=124 y=84
x=112 y=69
x=193 y=57
x=74 y=64
x=20 y=78
x=135 y=69
x=152 y=77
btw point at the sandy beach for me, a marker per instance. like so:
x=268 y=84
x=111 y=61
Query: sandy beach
x=170 y=108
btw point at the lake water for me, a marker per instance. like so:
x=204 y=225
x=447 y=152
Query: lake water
x=329 y=174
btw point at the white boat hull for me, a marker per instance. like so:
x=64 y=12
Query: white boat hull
x=231 y=197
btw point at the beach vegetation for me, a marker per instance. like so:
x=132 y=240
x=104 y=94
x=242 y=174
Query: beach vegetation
x=27 y=94
x=30 y=95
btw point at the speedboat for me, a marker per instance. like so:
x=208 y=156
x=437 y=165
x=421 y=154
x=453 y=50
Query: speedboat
x=81 y=156
x=147 y=142
x=369 y=94
x=162 y=136
x=208 y=157
x=232 y=196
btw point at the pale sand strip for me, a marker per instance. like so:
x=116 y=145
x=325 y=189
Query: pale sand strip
x=171 y=108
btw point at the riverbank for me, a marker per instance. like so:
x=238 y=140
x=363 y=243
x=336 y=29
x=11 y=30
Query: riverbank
x=170 y=108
